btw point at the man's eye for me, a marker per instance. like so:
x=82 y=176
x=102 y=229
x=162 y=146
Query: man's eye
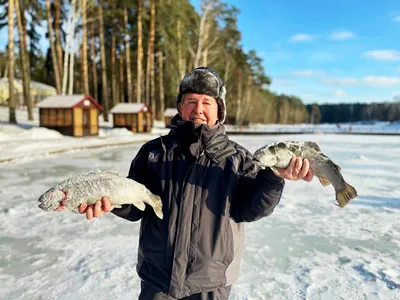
x=207 y=103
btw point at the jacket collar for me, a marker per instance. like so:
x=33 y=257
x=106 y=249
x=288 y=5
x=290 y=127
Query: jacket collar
x=199 y=139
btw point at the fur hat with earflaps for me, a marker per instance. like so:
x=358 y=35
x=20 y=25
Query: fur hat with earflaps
x=203 y=80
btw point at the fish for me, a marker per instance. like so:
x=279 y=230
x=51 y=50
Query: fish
x=90 y=187
x=279 y=155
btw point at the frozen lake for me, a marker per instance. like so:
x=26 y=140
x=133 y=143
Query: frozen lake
x=307 y=249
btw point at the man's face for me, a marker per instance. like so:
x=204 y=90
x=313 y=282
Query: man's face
x=199 y=108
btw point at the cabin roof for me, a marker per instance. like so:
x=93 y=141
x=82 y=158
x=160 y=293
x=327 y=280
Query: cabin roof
x=129 y=108
x=67 y=101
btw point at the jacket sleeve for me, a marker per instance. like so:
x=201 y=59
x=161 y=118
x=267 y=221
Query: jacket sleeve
x=137 y=172
x=257 y=193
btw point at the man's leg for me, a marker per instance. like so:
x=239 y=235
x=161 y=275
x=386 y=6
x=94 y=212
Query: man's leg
x=147 y=292
x=219 y=294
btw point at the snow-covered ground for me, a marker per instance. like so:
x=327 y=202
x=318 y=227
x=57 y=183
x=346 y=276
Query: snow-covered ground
x=307 y=249
x=28 y=141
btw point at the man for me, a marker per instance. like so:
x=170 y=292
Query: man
x=209 y=186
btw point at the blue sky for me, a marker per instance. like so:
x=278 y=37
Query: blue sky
x=336 y=51
x=326 y=51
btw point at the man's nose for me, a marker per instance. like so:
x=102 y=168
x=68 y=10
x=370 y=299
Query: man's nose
x=199 y=108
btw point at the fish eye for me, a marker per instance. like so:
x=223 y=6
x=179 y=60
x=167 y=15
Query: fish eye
x=281 y=145
x=271 y=149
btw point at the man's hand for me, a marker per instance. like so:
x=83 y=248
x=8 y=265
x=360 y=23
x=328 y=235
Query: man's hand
x=96 y=210
x=298 y=169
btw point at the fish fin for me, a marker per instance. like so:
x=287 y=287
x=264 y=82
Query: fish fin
x=313 y=145
x=338 y=168
x=275 y=171
x=140 y=205
x=343 y=197
x=158 y=207
x=324 y=181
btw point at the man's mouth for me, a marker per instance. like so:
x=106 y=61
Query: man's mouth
x=198 y=120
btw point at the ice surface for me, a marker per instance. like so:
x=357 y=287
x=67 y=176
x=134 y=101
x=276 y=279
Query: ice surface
x=307 y=249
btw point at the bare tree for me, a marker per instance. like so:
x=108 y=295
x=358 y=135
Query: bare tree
x=26 y=78
x=114 y=94
x=53 y=49
x=103 y=62
x=121 y=78
x=140 y=52
x=85 y=75
x=161 y=106
x=94 y=64
x=150 y=60
x=128 y=58
x=181 y=60
x=11 y=99
x=57 y=29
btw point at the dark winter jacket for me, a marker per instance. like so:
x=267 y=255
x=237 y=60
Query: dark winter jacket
x=208 y=186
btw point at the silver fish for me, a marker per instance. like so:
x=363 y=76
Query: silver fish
x=87 y=188
x=279 y=155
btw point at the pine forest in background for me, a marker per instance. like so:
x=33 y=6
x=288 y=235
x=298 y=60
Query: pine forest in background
x=137 y=51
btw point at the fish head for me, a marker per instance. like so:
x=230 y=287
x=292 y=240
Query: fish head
x=53 y=199
x=266 y=156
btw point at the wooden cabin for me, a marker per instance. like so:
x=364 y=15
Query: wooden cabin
x=74 y=115
x=169 y=113
x=133 y=116
x=38 y=91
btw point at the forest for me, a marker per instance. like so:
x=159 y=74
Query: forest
x=137 y=51
x=358 y=112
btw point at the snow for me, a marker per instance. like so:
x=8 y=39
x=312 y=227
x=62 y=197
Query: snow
x=307 y=249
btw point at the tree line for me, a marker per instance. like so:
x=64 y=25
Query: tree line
x=137 y=51
x=358 y=112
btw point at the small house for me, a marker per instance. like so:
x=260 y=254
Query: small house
x=38 y=91
x=133 y=116
x=169 y=113
x=74 y=115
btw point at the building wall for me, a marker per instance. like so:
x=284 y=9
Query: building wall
x=78 y=128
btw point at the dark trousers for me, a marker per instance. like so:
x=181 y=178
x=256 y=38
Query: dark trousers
x=149 y=293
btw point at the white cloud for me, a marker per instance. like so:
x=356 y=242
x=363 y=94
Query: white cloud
x=381 y=81
x=371 y=81
x=342 y=35
x=301 y=37
x=341 y=81
x=306 y=73
x=385 y=55
x=282 y=82
x=339 y=93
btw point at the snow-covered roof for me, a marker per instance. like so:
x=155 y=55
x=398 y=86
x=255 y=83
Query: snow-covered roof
x=36 y=89
x=38 y=86
x=170 y=112
x=129 y=108
x=66 y=101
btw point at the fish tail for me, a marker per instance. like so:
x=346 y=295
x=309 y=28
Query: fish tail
x=343 y=197
x=158 y=206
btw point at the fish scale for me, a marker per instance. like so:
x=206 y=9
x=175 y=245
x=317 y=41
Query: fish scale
x=279 y=155
x=90 y=187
